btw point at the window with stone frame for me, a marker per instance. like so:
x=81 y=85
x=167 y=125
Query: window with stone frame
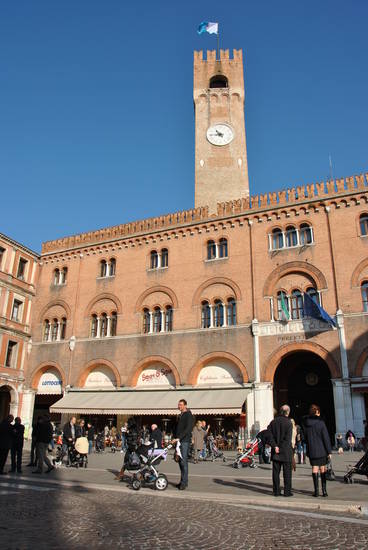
x=46 y=330
x=21 y=272
x=17 y=311
x=164 y=257
x=11 y=354
x=363 y=222
x=291 y=236
x=168 y=318
x=305 y=234
x=211 y=250
x=153 y=259
x=205 y=315
x=94 y=326
x=277 y=239
x=103 y=268
x=364 y=290
x=222 y=248
x=2 y=256
x=114 y=323
x=231 y=312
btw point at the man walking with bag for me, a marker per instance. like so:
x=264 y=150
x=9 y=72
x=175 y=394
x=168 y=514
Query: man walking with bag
x=183 y=436
x=280 y=434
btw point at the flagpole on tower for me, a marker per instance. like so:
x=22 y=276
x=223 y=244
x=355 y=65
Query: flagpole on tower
x=218 y=45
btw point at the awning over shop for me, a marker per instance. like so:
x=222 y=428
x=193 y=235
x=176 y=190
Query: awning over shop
x=152 y=402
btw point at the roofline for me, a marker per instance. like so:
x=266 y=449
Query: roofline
x=20 y=245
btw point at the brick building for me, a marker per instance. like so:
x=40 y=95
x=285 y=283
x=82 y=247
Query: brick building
x=130 y=318
x=18 y=273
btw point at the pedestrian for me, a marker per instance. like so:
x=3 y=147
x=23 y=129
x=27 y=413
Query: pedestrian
x=6 y=435
x=17 y=446
x=206 y=430
x=80 y=429
x=183 y=436
x=198 y=436
x=69 y=437
x=124 y=430
x=280 y=435
x=318 y=447
x=339 y=444
x=32 y=460
x=90 y=437
x=132 y=442
x=350 y=440
x=156 y=437
x=43 y=437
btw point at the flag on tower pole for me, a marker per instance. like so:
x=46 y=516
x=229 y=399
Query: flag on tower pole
x=314 y=310
x=211 y=28
x=285 y=315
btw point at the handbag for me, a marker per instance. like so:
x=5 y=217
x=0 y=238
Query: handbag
x=330 y=474
x=176 y=457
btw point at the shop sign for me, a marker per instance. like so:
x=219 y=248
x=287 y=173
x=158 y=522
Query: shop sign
x=156 y=376
x=100 y=378
x=50 y=383
x=220 y=374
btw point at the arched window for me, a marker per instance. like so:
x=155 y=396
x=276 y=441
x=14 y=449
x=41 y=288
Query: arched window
x=312 y=292
x=364 y=288
x=46 y=330
x=157 y=320
x=296 y=304
x=306 y=234
x=231 y=312
x=211 y=250
x=218 y=313
x=282 y=305
x=103 y=325
x=103 y=268
x=291 y=236
x=63 y=328
x=54 y=330
x=363 y=224
x=153 y=259
x=206 y=315
x=146 y=321
x=223 y=248
x=164 y=257
x=63 y=274
x=114 y=323
x=277 y=239
x=168 y=319
x=94 y=326
x=218 y=81
x=112 y=267
x=56 y=276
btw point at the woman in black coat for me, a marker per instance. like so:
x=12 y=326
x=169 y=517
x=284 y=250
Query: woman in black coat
x=318 y=447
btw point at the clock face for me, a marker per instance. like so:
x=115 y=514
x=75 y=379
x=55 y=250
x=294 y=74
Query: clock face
x=220 y=134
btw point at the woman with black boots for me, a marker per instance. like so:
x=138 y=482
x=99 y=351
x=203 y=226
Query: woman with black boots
x=318 y=447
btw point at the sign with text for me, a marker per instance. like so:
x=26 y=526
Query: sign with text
x=50 y=383
x=156 y=375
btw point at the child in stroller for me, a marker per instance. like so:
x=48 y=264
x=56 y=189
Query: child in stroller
x=100 y=443
x=77 y=454
x=142 y=465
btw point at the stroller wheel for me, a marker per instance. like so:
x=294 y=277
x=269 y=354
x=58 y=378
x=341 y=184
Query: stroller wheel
x=245 y=464
x=161 y=483
x=136 y=484
x=236 y=465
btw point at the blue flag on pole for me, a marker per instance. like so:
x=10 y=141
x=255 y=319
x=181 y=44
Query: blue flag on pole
x=314 y=310
x=205 y=26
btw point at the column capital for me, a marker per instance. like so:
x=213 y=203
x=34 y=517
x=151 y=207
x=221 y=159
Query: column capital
x=255 y=327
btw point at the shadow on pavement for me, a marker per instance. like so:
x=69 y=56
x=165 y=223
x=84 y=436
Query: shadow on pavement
x=256 y=487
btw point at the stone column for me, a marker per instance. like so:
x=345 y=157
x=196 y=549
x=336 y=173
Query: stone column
x=26 y=414
x=49 y=337
x=271 y=309
x=211 y=316
x=150 y=322
x=162 y=320
x=58 y=334
x=108 y=326
x=342 y=340
x=224 y=307
x=255 y=332
x=98 y=331
x=158 y=260
x=263 y=406
x=359 y=413
x=343 y=405
x=217 y=250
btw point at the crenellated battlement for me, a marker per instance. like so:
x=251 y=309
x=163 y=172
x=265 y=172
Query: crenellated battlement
x=209 y=57
x=314 y=192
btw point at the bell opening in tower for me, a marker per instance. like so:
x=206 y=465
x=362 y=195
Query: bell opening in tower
x=219 y=81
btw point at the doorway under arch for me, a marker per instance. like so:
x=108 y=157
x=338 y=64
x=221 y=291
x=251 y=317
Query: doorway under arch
x=301 y=379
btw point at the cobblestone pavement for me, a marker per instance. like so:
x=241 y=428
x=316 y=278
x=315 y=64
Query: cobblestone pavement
x=73 y=518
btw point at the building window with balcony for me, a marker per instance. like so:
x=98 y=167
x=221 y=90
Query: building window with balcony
x=206 y=315
x=363 y=221
x=364 y=289
x=231 y=312
x=21 y=272
x=305 y=234
x=291 y=236
x=11 y=354
x=17 y=311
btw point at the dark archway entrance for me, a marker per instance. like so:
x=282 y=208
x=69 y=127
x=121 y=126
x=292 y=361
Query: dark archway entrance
x=303 y=378
x=5 y=399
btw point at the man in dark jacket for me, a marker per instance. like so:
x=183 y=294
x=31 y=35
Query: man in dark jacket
x=156 y=436
x=6 y=434
x=44 y=431
x=280 y=435
x=17 y=446
x=69 y=436
x=183 y=435
x=90 y=436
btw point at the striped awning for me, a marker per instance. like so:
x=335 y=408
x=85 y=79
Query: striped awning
x=152 y=402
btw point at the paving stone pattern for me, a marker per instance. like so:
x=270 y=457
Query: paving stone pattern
x=82 y=518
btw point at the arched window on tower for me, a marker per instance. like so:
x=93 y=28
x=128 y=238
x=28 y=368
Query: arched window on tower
x=103 y=325
x=363 y=220
x=157 y=320
x=206 y=315
x=56 y=276
x=222 y=248
x=112 y=267
x=291 y=236
x=231 y=312
x=306 y=234
x=164 y=257
x=114 y=323
x=46 y=330
x=277 y=239
x=296 y=304
x=94 y=326
x=63 y=328
x=168 y=319
x=103 y=268
x=146 y=321
x=153 y=259
x=218 y=313
x=211 y=250
x=364 y=289
x=219 y=81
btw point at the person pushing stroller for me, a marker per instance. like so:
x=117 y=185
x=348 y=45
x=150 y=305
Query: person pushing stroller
x=132 y=443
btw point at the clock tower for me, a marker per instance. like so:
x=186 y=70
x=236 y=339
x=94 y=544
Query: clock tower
x=221 y=168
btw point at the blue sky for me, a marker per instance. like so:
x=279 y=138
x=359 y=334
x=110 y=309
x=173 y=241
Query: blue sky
x=96 y=109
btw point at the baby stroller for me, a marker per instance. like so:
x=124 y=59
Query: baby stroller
x=213 y=450
x=77 y=454
x=246 y=457
x=360 y=468
x=142 y=464
x=100 y=443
